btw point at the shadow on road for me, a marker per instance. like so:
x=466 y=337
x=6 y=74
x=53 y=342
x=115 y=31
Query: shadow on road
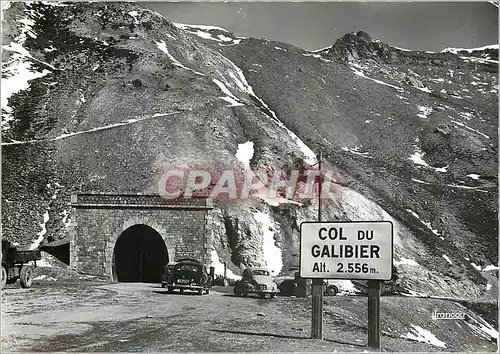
x=259 y=334
x=165 y=292
x=285 y=336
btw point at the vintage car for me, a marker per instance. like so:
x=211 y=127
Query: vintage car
x=256 y=281
x=289 y=281
x=187 y=274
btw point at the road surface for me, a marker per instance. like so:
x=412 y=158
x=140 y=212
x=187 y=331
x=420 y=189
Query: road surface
x=90 y=316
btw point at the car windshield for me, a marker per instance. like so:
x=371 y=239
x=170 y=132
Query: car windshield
x=188 y=268
x=260 y=272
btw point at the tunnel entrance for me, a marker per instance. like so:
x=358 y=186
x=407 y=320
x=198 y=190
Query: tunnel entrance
x=140 y=255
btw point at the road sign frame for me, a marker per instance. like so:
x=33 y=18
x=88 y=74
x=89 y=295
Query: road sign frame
x=322 y=275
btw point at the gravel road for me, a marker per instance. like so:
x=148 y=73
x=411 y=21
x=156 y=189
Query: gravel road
x=92 y=316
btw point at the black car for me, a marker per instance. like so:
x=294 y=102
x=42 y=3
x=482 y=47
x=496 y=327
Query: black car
x=187 y=274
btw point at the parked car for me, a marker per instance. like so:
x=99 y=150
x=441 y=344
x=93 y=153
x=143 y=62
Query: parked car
x=288 y=281
x=187 y=274
x=15 y=265
x=256 y=280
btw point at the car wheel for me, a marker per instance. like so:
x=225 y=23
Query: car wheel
x=332 y=290
x=273 y=295
x=182 y=291
x=4 y=277
x=170 y=290
x=26 y=276
x=200 y=292
x=207 y=291
x=245 y=293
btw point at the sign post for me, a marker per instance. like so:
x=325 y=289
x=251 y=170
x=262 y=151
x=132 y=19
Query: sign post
x=360 y=250
x=317 y=284
x=374 y=314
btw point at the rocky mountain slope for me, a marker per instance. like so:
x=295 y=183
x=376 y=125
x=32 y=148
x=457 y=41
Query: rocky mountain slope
x=106 y=96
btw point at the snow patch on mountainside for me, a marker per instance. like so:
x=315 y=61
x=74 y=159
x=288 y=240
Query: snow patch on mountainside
x=17 y=71
x=447 y=259
x=16 y=77
x=230 y=98
x=406 y=261
x=203 y=31
x=42 y=233
x=272 y=253
x=357 y=70
x=474 y=176
x=219 y=266
x=482 y=328
x=245 y=153
x=427 y=224
x=163 y=47
x=241 y=82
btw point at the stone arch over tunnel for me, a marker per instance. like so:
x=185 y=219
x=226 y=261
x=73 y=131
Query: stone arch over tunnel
x=139 y=255
x=105 y=226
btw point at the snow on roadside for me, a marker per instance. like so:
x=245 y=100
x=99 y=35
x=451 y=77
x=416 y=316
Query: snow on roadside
x=245 y=153
x=420 y=334
x=43 y=263
x=219 y=266
x=346 y=287
x=41 y=234
x=272 y=253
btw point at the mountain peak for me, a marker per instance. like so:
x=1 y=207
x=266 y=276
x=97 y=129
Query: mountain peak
x=359 y=45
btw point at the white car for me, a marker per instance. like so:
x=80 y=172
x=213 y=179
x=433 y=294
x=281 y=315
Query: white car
x=288 y=280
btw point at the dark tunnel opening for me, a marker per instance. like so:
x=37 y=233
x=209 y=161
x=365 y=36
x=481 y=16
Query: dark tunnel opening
x=140 y=255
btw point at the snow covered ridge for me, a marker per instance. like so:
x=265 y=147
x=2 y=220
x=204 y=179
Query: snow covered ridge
x=231 y=185
x=470 y=50
x=204 y=31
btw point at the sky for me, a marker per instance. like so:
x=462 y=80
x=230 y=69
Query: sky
x=313 y=25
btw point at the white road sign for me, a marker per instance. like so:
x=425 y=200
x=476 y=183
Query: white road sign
x=346 y=250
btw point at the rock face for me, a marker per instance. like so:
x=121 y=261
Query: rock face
x=115 y=94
